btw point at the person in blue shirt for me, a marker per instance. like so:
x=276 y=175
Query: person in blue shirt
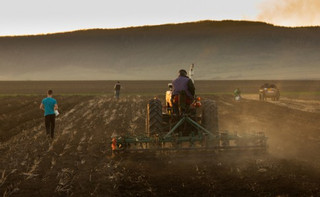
x=49 y=105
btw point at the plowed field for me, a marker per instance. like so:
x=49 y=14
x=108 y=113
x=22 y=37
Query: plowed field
x=78 y=161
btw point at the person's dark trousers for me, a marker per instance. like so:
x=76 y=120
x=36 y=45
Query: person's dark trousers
x=117 y=94
x=50 y=124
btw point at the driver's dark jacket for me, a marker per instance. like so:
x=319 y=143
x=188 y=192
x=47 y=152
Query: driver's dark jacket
x=183 y=83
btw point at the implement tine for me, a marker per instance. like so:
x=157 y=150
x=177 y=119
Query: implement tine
x=196 y=125
x=175 y=127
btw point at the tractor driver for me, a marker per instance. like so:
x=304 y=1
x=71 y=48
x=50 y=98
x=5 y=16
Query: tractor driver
x=183 y=83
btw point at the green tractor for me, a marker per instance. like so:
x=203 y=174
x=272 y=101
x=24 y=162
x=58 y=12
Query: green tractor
x=184 y=125
x=191 y=127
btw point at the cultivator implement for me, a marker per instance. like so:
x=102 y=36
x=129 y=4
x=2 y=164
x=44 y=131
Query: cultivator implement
x=220 y=142
x=199 y=139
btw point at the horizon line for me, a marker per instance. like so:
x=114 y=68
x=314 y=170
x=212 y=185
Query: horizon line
x=91 y=80
x=152 y=25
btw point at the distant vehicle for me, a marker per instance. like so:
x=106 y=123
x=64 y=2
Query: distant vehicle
x=269 y=91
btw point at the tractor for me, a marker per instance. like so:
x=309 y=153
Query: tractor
x=181 y=125
x=269 y=91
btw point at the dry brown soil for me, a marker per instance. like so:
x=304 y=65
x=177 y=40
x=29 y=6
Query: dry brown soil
x=78 y=161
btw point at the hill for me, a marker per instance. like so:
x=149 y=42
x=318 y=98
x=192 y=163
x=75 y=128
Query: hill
x=220 y=50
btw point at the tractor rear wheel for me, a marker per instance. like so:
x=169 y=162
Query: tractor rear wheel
x=210 y=116
x=278 y=96
x=261 y=97
x=154 y=117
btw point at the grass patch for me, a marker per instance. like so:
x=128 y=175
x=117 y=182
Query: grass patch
x=18 y=95
x=157 y=94
x=300 y=93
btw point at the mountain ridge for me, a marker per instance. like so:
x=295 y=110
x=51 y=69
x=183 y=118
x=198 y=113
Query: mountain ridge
x=220 y=50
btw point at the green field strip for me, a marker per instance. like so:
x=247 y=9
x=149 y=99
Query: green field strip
x=156 y=94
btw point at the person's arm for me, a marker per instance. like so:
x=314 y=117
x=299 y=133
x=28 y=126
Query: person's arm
x=55 y=105
x=41 y=106
x=191 y=87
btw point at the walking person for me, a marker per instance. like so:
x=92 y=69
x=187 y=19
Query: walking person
x=49 y=105
x=237 y=94
x=117 y=88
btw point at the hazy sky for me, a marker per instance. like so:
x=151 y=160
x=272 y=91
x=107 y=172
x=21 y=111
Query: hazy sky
x=44 y=16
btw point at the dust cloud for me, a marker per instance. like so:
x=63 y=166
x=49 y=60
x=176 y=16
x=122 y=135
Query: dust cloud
x=291 y=12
